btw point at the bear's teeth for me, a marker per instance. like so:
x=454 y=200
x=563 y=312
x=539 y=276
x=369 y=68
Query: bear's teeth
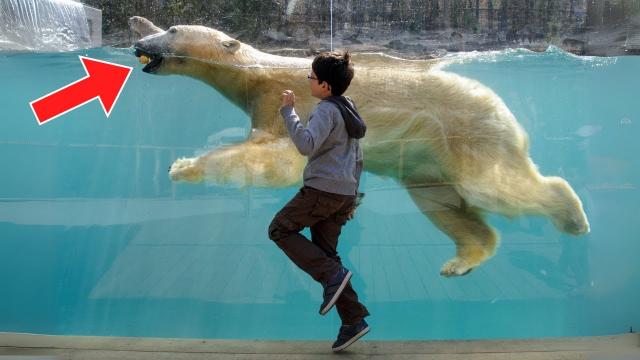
x=144 y=59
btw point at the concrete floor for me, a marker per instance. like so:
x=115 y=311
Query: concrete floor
x=41 y=347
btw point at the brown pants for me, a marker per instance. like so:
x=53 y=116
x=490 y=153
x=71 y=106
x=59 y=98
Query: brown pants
x=325 y=213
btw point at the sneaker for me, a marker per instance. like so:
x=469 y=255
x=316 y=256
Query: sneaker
x=349 y=334
x=334 y=288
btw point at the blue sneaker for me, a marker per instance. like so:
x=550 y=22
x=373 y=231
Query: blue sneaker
x=333 y=289
x=349 y=334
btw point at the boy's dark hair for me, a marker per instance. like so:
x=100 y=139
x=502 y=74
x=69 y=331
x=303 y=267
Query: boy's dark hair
x=336 y=69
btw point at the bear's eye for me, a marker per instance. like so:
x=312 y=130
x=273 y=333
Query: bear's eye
x=173 y=30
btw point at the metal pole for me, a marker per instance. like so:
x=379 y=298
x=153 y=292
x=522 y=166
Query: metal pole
x=331 y=25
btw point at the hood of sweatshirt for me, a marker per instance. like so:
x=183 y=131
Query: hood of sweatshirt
x=356 y=128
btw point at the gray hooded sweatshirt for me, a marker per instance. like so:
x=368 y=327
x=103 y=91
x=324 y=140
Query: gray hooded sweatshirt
x=334 y=159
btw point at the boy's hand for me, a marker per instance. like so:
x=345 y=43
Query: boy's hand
x=288 y=98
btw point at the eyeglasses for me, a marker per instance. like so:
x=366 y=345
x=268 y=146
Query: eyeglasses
x=311 y=77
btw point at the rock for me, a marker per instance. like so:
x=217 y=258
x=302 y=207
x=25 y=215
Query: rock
x=303 y=33
x=277 y=35
x=574 y=46
x=351 y=39
x=455 y=36
x=396 y=45
x=438 y=53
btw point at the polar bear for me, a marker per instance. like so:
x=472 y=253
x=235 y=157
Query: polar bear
x=450 y=141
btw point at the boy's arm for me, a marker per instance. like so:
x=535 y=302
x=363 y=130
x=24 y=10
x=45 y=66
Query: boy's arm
x=308 y=139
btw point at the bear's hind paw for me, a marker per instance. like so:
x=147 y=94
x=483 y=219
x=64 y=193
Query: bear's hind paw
x=455 y=267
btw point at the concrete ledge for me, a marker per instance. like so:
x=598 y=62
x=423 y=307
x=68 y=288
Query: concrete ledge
x=28 y=346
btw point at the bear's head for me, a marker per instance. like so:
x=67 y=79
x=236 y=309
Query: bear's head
x=169 y=52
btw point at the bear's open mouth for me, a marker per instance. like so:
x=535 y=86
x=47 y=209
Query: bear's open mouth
x=152 y=61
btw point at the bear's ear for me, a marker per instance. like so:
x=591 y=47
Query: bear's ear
x=231 y=45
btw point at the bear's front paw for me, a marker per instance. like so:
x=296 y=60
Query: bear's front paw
x=455 y=267
x=185 y=169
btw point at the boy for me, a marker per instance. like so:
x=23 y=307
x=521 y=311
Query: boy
x=328 y=198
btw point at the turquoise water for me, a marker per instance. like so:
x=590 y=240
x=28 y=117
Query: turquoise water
x=95 y=239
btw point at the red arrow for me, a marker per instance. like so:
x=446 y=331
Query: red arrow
x=104 y=80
